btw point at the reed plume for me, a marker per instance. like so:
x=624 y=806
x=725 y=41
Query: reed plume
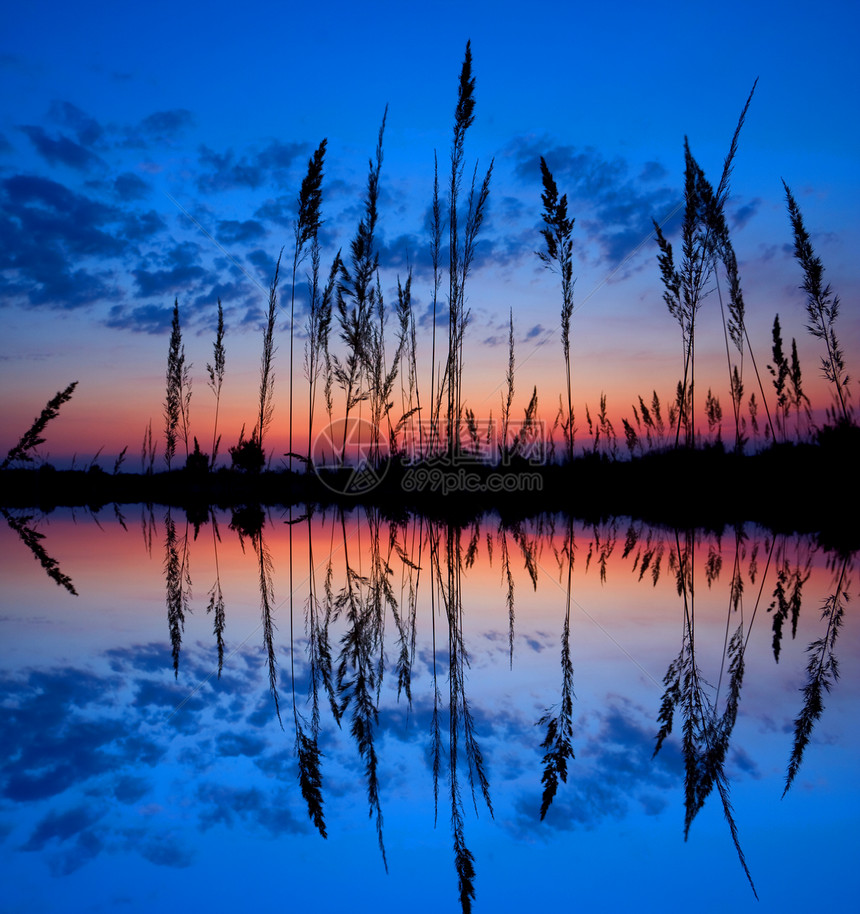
x=780 y=372
x=461 y=246
x=254 y=447
x=317 y=355
x=307 y=227
x=357 y=297
x=705 y=240
x=216 y=378
x=173 y=399
x=148 y=451
x=509 y=398
x=822 y=307
x=32 y=438
x=558 y=256
x=798 y=398
x=435 y=246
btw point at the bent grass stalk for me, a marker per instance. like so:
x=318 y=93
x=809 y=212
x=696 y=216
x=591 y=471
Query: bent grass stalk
x=822 y=306
x=32 y=438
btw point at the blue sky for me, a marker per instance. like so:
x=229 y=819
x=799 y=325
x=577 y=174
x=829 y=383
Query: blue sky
x=153 y=153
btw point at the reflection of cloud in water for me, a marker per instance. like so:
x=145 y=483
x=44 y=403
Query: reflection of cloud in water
x=224 y=804
x=104 y=763
x=613 y=775
x=100 y=760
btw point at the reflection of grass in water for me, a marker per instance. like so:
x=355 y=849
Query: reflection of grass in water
x=460 y=718
x=178 y=580
x=786 y=602
x=216 y=597
x=447 y=562
x=32 y=540
x=32 y=438
x=707 y=721
x=706 y=734
x=249 y=521
x=319 y=663
x=267 y=599
x=558 y=741
x=823 y=672
x=406 y=621
x=359 y=673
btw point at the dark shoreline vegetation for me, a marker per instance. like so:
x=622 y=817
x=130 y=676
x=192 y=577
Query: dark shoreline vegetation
x=707 y=487
x=438 y=457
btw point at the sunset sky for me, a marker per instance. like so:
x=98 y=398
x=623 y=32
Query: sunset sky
x=155 y=152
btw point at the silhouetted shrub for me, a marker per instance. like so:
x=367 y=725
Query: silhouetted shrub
x=248 y=455
x=197 y=461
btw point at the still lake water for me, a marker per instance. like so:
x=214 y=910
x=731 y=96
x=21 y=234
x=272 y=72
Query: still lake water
x=420 y=676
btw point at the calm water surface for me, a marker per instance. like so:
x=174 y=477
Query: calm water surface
x=336 y=710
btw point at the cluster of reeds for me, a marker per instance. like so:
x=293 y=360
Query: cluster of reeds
x=706 y=731
x=359 y=374
x=351 y=361
x=706 y=247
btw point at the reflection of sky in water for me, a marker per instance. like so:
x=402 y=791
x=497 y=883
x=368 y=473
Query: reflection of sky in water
x=124 y=788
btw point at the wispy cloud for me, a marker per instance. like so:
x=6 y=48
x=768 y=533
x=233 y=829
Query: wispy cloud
x=613 y=207
x=221 y=171
x=61 y=150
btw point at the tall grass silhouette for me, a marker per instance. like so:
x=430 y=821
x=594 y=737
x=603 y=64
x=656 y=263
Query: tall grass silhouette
x=705 y=245
x=178 y=395
x=463 y=230
x=822 y=308
x=558 y=257
x=354 y=360
x=359 y=302
x=216 y=371
x=32 y=438
x=307 y=226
